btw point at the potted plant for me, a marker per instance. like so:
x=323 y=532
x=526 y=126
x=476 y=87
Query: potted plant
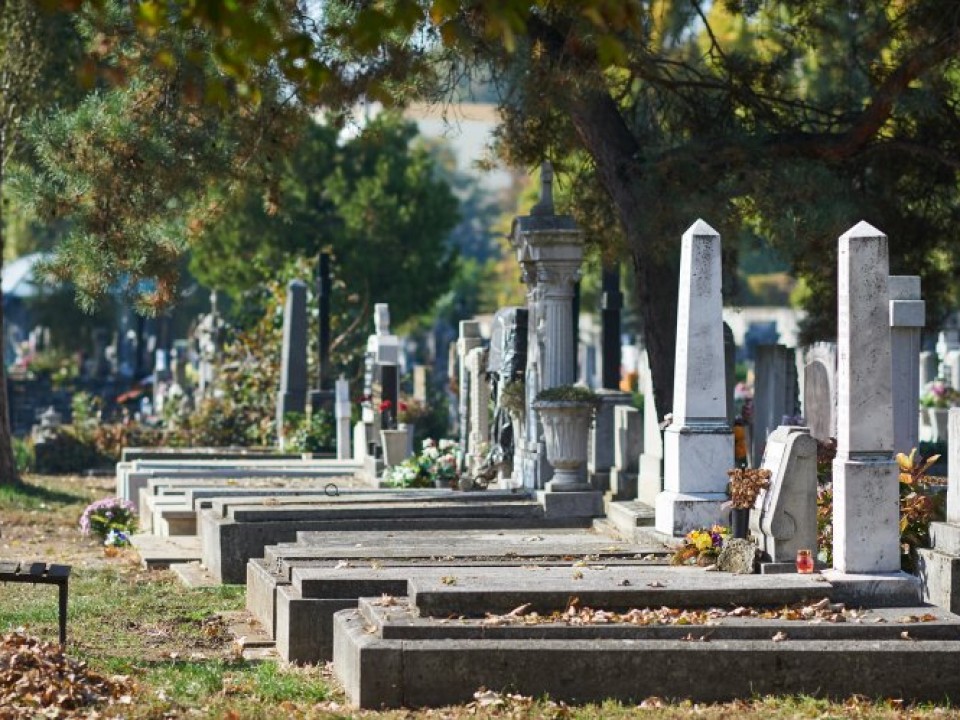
x=744 y=488
x=566 y=412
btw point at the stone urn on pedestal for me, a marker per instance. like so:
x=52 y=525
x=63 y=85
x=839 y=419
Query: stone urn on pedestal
x=566 y=413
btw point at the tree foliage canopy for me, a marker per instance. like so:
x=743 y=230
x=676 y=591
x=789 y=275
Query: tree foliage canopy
x=784 y=119
x=373 y=201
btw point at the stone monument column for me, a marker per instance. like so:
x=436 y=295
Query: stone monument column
x=342 y=414
x=469 y=340
x=907 y=318
x=556 y=279
x=698 y=444
x=549 y=250
x=866 y=500
x=292 y=397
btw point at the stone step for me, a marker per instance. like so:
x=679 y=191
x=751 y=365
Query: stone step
x=363 y=511
x=193 y=575
x=378 y=672
x=228 y=544
x=159 y=553
x=627 y=516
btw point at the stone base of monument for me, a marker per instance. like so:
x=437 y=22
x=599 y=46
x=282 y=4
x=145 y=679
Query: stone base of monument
x=939 y=574
x=390 y=651
x=623 y=485
x=650 y=479
x=939 y=566
x=679 y=513
x=584 y=504
x=896 y=589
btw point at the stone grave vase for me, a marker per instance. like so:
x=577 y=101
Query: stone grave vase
x=394 y=446
x=566 y=431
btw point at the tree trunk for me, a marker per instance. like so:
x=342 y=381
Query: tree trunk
x=612 y=146
x=8 y=466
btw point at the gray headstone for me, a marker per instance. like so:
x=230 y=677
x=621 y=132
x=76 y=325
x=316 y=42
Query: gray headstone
x=775 y=394
x=292 y=396
x=820 y=390
x=784 y=518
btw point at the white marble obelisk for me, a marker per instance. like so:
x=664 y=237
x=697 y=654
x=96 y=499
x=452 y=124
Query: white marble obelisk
x=866 y=500
x=698 y=445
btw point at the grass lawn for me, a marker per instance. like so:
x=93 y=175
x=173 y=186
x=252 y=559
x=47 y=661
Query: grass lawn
x=173 y=645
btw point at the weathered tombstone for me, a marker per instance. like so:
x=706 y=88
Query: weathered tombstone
x=603 y=437
x=342 y=413
x=479 y=409
x=939 y=565
x=907 y=318
x=468 y=341
x=292 y=397
x=698 y=444
x=506 y=363
x=820 y=390
x=775 y=392
x=386 y=393
x=866 y=503
x=730 y=369
x=628 y=444
x=650 y=477
x=784 y=518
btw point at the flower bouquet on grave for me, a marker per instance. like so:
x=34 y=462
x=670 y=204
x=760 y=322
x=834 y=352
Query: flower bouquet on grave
x=110 y=515
x=441 y=462
x=938 y=394
x=411 y=411
x=701 y=546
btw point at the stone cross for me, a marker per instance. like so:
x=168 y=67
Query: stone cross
x=698 y=444
x=292 y=397
x=866 y=501
x=907 y=318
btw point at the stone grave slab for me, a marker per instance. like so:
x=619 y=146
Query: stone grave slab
x=387 y=654
x=230 y=536
x=322 y=550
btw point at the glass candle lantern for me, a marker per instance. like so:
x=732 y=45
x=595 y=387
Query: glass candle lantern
x=804 y=561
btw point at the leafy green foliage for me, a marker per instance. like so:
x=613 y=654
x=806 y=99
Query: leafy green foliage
x=374 y=202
